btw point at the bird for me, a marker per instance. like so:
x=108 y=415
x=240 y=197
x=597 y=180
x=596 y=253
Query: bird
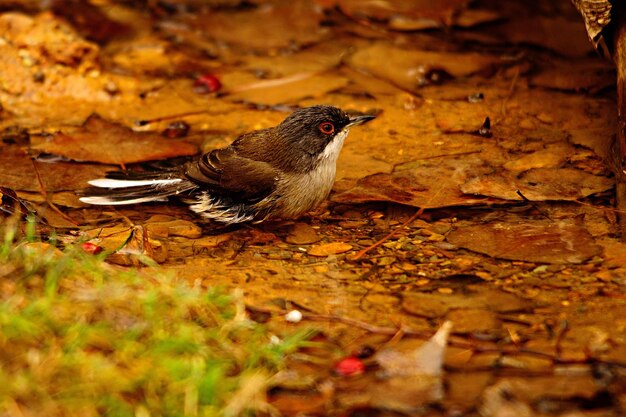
x=278 y=172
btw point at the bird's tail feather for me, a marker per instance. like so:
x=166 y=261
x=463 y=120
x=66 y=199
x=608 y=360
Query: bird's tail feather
x=119 y=188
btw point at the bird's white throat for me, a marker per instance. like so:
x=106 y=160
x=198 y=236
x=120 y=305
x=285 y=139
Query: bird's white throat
x=331 y=151
x=300 y=193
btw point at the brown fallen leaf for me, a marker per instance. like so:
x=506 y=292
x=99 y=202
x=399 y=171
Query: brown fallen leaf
x=460 y=18
x=436 y=305
x=583 y=75
x=560 y=34
x=539 y=184
x=429 y=183
x=316 y=59
x=289 y=89
x=256 y=28
x=553 y=155
x=131 y=244
x=101 y=141
x=410 y=68
x=17 y=172
x=326 y=249
x=514 y=395
x=174 y=227
x=547 y=241
x=411 y=380
x=54 y=218
x=59 y=198
x=436 y=13
x=597 y=138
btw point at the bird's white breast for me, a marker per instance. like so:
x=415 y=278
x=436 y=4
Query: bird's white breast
x=303 y=192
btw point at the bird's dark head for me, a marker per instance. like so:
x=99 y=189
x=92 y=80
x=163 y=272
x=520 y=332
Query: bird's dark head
x=317 y=132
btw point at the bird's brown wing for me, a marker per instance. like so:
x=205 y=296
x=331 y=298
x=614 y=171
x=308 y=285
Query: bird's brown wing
x=224 y=172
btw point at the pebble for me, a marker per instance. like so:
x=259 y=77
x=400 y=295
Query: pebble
x=436 y=237
x=111 y=88
x=445 y=245
x=441 y=228
x=329 y=249
x=294 y=316
x=386 y=260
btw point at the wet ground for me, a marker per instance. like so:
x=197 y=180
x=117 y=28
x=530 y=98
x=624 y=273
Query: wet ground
x=480 y=195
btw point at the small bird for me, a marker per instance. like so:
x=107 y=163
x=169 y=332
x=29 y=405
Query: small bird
x=280 y=172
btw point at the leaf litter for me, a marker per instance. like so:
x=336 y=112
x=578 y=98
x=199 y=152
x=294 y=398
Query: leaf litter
x=515 y=243
x=108 y=143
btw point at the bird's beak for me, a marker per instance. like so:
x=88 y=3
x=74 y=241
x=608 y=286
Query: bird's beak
x=359 y=120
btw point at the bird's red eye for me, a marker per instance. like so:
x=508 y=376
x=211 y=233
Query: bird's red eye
x=327 y=128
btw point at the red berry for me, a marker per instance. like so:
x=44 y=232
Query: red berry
x=91 y=248
x=206 y=83
x=349 y=366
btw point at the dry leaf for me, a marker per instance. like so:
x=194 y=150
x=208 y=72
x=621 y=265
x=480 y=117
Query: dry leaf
x=549 y=33
x=410 y=68
x=315 y=59
x=411 y=380
x=287 y=90
x=539 y=184
x=429 y=183
x=586 y=75
x=110 y=143
x=439 y=12
x=278 y=25
x=436 y=305
x=18 y=172
x=553 y=156
x=546 y=241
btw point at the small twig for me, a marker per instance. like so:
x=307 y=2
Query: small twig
x=411 y=219
x=533 y=204
x=171 y=117
x=44 y=194
x=448 y=155
x=609 y=209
